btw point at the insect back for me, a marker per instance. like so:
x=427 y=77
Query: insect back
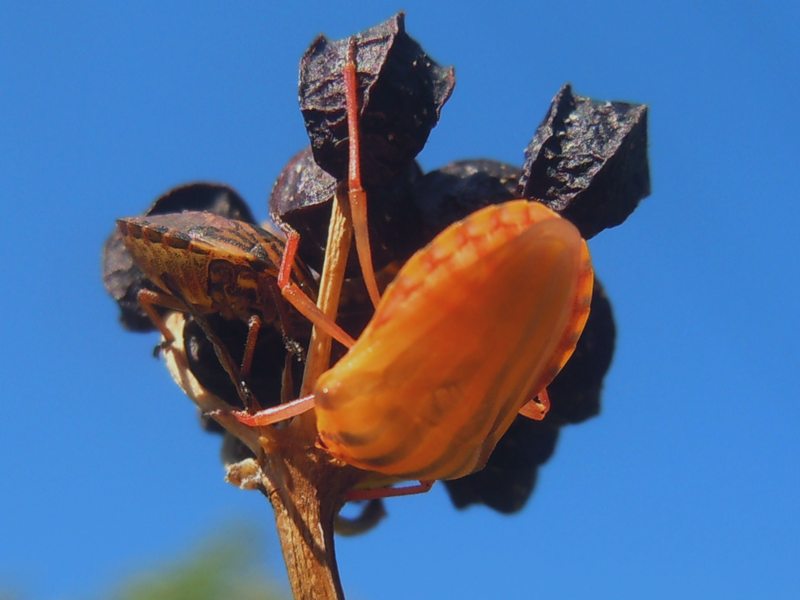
x=475 y=324
x=207 y=265
x=210 y=263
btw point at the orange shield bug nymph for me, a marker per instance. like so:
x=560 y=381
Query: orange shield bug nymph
x=472 y=329
x=474 y=326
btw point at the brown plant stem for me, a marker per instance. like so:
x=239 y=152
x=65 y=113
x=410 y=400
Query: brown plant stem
x=304 y=484
x=306 y=490
x=337 y=249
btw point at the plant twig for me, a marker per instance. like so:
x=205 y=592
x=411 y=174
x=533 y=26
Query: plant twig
x=340 y=233
x=305 y=485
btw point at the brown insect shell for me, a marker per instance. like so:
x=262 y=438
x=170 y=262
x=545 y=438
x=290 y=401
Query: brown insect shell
x=210 y=263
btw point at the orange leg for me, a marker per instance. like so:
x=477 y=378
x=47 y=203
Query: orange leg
x=356 y=193
x=292 y=346
x=292 y=292
x=358 y=211
x=389 y=492
x=268 y=416
x=300 y=301
x=538 y=407
x=148 y=300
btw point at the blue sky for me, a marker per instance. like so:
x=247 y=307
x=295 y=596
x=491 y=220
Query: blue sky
x=687 y=484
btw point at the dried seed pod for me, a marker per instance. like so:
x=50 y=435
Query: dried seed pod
x=301 y=188
x=508 y=479
x=575 y=391
x=402 y=91
x=449 y=194
x=301 y=197
x=588 y=161
x=211 y=197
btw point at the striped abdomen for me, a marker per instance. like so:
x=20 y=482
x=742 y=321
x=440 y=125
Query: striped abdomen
x=475 y=324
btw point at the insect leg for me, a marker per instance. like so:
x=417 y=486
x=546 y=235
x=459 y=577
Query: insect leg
x=356 y=193
x=537 y=407
x=287 y=380
x=293 y=347
x=253 y=328
x=148 y=300
x=300 y=301
x=227 y=362
x=268 y=416
x=389 y=492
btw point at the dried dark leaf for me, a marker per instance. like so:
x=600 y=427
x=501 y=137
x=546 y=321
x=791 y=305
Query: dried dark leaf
x=588 y=161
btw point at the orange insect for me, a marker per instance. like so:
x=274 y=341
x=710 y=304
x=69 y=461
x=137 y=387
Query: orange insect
x=472 y=329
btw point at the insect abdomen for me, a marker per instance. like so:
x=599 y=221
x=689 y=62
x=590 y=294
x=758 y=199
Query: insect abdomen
x=169 y=258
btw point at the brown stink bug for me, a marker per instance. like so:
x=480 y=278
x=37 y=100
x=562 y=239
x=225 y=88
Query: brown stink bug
x=205 y=264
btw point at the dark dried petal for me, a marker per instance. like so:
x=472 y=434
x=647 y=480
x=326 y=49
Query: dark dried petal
x=301 y=198
x=402 y=91
x=453 y=192
x=588 y=161
x=508 y=479
x=123 y=279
